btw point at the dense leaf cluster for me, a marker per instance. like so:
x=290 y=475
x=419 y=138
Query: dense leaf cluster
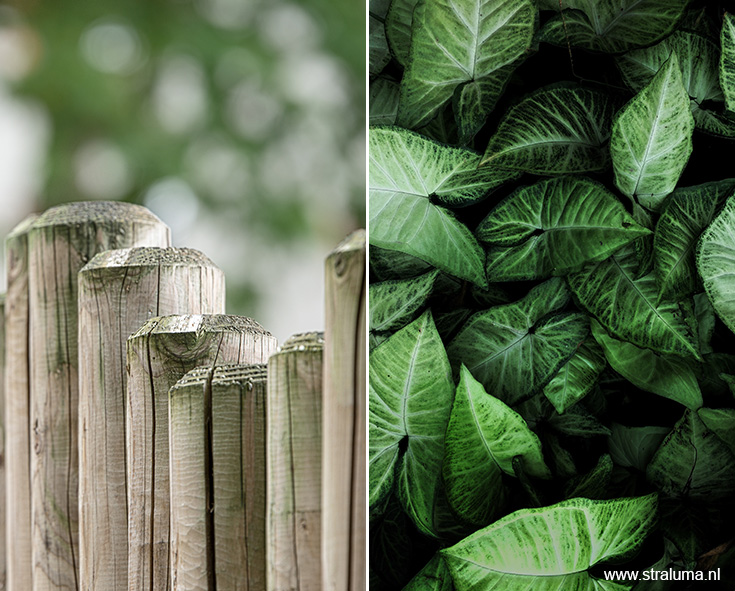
x=552 y=298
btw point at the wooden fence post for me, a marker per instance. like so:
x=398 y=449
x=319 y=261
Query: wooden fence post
x=118 y=291
x=60 y=242
x=343 y=423
x=218 y=431
x=293 y=460
x=17 y=413
x=159 y=354
x=3 y=515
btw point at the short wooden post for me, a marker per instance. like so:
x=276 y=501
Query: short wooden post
x=218 y=430
x=17 y=413
x=293 y=460
x=60 y=242
x=3 y=518
x=343 y=422
x=118 y=291
x=159 y=354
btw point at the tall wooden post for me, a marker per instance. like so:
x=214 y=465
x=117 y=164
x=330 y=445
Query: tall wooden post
x=17 y=412
x=3 y=516
x=343 y=423
x=118 y=291
x=293 y=460
x=218 y=431
x=60 y=242
x=159 y=354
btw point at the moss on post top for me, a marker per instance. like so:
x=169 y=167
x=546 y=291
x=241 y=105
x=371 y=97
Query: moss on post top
x=197 y=324
x=97 y=212
x=305 y=341
x=149 y=256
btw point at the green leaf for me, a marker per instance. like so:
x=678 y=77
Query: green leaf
x=613 y=26
x=383 y=102
x=457 y=42
x=578 y=422
x=393 y=304
x=652 y=138
x=379 y=52
x=721 y=421
x=405 y=170
x=515 y=349
x=633 y=447
x=687 y=212
x=716 y=263
x=552 y=547
x=411 y=393
x=692 y=463
x=398 y=28
x=727 y=60
x=577 y=376
x=627 y=307
x=554 y=227
x=593 y=485
x=390 y=264
x=555 y=130
x=483 y=437
x=433 y=577
x=670 y=377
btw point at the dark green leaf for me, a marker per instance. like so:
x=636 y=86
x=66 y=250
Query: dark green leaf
x=577 y=377
x=393 y=304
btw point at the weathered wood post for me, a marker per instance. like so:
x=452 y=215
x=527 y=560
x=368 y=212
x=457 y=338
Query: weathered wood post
x=159 y=354
x=218 y=431
x=118 y=291
x=60 y=242
x=343 y=418
x=293 y=460
x=17 y=411
x=3 y=516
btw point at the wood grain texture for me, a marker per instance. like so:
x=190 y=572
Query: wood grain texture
x=293 y=460
x=17 y=412
x=118 y=291
x=60 y=242
x=3 y=517
x=218 y=447
x=159 y=354
x=343 y=418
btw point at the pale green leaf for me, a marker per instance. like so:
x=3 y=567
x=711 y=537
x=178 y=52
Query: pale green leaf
x=554 y=227
x=552 y=548
x=556 y=130
x=398 y=28
x=483 y=437
x=670 y=377
x=727 y=60
x=474 y=100
x=633 y=447
x=721 y=421
x=393 y=304
x=433 y=577
x=693 y=463
x=687 y=212
x=411 y=393
x=405 y=170
x=714 y=123
x=383 y=102
x=457 y=42
x=379 y=52
x=716 y=263
x=613 y=26
x=627 y=307
x=515 y=349
x=577 y=377
x=652 y=138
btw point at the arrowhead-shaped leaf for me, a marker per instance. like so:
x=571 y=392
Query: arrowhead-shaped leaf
x=393 y=304
x=727 y=60
x=716 y=263
x=613 y=26
x=692 y=462
x=670 y=377
x=457 y=42
x=687 y=212
x=633 y=447
x=515 y=349
x=627 y=307
x=652 y=138
x=398 y=28
x=483 y=437
x=433 y=577
x=554 y=227
x=721 y=421
x=411 y=393
x=383 y=102
x=556 y=130
x=552 y=547
x=577 y=376
x=405 y=170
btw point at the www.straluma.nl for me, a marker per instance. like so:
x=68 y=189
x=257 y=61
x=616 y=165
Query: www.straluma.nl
x=670 y=574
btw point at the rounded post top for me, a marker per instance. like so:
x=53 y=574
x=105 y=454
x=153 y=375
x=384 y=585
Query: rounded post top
x=197 y=324
x=149 y=256
x=98 y=212
x=305 y=341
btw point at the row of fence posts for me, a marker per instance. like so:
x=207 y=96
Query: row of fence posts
x=153 y=442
